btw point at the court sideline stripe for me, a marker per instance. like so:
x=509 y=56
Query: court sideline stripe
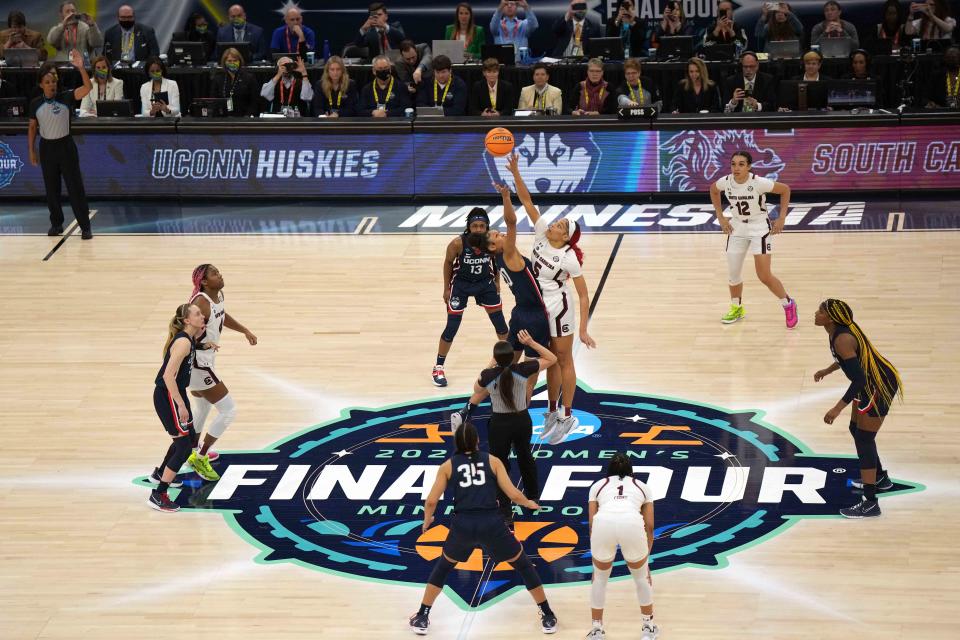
x=606 y=272
x=73 y=226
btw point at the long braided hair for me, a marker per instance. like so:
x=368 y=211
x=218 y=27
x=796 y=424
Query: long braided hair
x=840 y=313
x=198 y=275
x=176 y=324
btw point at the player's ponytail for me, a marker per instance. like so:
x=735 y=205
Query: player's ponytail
x=467 y=440
x=177 y=324
x=620 y=466
x=503 y=355
x=574 y=235
x=840 y=313
x=198 y=275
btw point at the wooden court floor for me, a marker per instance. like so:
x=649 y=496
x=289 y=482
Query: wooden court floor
x=354 y=321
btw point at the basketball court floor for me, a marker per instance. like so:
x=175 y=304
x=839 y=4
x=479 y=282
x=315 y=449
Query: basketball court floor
x=315 y=532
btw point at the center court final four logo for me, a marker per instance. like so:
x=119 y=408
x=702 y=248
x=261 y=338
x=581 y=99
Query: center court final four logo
x=346 y=496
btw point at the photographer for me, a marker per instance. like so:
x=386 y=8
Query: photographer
x=75 y=31
x=377 y=34
x=776 y=24
x=507 y=28
x=673 y=23
x=931 y=20
x=17 y=36
x=750 y=90
x=725 y=30
x=159 y=95
x=414 y=62
x=833 y=27
x=574 y=29
x=630 y=29
x=289 y=89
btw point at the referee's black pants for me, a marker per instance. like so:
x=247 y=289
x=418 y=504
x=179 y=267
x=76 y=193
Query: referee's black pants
x=507 y=431
x=60 y=159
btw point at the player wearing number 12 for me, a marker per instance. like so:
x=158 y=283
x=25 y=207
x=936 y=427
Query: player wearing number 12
x=749 y=229
x=475 y=477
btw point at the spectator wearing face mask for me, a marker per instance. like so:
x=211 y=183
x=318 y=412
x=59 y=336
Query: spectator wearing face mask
x=105 y=87
x=198 y=30
x=385 y=96
x=128 y=40
x=289 y=88
x=238 y=29
x=236 y=85
x=443 y=89
x=159 y=95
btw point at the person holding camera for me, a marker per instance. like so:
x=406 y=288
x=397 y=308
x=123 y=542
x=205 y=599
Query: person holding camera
x=629 y=28
x=17 y=36
x=508 y=28
x=833 y=27
x=294 y=37
x=159 y=95
x=443 y=89
x=725 y=30
x=414 y=63
x=751 y=89
x=377 y=34
x=74 y=31
x=289 y=90
x=776 y=24
x=384 y=97
x=931 y=20
x=673 y=23
x=50 y=114
x=541 y=96
x=574 y=29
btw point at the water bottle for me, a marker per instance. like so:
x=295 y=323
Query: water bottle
x=739 y=48
x=524 y=55
x=326 y=50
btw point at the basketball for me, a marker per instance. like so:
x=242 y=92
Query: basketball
x=499 y=142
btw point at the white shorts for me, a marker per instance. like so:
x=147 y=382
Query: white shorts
x=560 y=312
x=618 y=529
x=203 y=376
x=756 y=244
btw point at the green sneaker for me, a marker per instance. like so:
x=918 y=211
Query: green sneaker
x=201 y=464
x=736 y=313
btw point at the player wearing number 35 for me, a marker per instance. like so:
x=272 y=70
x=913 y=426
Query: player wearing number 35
x=749 y=229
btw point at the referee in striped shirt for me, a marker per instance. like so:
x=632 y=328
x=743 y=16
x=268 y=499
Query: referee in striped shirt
x=510 y=426
x=50 y=115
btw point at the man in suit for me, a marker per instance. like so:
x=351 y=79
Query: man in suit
x=750 y=90
x=293 y=36
x=239 y=30
x=413 y=65
x=443 y=89
x=541 y=95
x=574 y=30
x=383 y=97
x=492 y=96
x=377 y=34
x=129 y=40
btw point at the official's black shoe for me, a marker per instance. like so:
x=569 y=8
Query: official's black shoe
x=548 y=622
x=884 y=483
x=419 y=624
x=863 y=509
x=86 y=234
x=54 y=230
x=155 y=479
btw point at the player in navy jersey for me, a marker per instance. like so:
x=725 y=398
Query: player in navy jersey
x=468 y=272
x=874 y=382
x=171 y=401
x=476 y=523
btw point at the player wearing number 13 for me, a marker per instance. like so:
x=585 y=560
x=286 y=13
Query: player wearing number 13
x=475 y=477
x=749 y=229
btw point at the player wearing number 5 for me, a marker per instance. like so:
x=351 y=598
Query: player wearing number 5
x=475 y=477
x=749 y=229
x=468 y=272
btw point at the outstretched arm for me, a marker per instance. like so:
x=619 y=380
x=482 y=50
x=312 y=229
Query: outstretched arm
x=522 y=192
x=510 y=254
x=230 y=323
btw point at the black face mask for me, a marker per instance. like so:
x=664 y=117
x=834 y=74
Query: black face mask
x=126 y=24
x=382 y=74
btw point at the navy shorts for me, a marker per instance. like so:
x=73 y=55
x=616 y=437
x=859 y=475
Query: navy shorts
x=487 y=530
x=534 y=321
x=485 y=293
x=167 y=411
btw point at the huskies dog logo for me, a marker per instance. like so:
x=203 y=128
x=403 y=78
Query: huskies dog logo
x=551 y=162
x=692 y=160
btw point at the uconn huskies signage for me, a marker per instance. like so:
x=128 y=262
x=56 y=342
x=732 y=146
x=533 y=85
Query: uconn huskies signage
x=346 y=496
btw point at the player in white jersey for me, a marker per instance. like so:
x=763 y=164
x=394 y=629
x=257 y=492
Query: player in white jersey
x=621 y=515
x=749 y=229
x=556 y=260
x=205 y=385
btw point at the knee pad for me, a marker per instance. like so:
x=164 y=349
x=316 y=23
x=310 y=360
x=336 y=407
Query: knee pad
x=866 y=442
x=644 y=589
x=499 y=322
x=735 y=268
x=598 y=588
x=227 y=413
x=181 y=451
x=527 y=571
x=453 y=325
x=438 y=577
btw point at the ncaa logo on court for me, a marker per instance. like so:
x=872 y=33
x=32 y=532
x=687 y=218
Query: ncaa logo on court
x=346 y=496
x=10 y=165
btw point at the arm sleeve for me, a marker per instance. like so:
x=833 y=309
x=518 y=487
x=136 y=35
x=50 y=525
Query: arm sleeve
x=488 y=375
x=851 y=31
x=266 y=91
x=54 y=36
x=816 y=33
x=797 y=25
x=494 y=23
x=527 y=368
x=94 y=36
x=532 y=23
x=145 y=98
x=858 y=379
x=306 y=91
x=173 y=92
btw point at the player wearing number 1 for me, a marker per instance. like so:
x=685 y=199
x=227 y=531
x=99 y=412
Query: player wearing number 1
x=749 y=229
x=475 y=477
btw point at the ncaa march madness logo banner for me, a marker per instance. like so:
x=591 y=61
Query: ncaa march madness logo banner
x=346 y=496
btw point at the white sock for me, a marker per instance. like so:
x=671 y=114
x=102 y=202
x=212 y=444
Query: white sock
x=200 y=409
x=785 y=301
x=735 y=301
x=598 y=624
x=645 y=618
x=598 y=588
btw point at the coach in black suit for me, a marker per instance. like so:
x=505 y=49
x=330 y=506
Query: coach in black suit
x=505 y=94
x=239 y=30
x=750 y=86
x=128 y=40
